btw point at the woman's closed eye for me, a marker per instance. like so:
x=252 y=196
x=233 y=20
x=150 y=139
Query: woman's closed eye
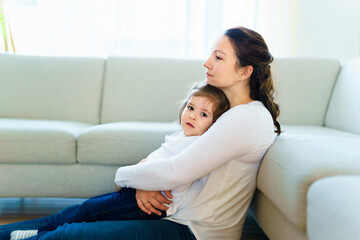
x=218 y=58
x=218 y=55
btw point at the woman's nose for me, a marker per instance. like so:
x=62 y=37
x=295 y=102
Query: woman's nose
x=207 y=63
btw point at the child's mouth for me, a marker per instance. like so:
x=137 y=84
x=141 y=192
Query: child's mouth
x=190 y=125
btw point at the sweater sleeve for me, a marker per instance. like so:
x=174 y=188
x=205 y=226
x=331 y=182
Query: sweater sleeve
x=235 y=133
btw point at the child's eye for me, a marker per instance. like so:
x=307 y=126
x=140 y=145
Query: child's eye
x=203 y=114
x=190 y=108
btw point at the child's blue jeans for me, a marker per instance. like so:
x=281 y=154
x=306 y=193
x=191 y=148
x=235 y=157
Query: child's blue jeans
x=119 y=205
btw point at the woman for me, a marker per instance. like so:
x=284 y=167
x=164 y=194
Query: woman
x=222 y=163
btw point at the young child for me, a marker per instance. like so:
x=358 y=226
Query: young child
x=203 y=106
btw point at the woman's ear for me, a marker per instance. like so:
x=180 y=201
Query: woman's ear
x=245 y=72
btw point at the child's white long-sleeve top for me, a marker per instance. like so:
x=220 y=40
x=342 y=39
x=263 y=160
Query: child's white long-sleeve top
x=173 y=145
x=221 y=165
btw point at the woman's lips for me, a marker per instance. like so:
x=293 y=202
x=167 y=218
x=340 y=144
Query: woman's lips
x=209 y=75
x=190 y=125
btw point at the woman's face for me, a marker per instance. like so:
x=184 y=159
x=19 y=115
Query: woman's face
x=222 y=65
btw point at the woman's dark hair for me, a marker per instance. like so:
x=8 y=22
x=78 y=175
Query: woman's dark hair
x=251 y=49
x=214 y=94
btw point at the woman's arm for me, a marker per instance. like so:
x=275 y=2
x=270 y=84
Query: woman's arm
x=237 y=132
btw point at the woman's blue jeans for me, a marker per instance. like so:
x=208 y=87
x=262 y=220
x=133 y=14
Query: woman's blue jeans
x=78 y=221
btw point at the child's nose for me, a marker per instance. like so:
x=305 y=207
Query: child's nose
x=192 y=116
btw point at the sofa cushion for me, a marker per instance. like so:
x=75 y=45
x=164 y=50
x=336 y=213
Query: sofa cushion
x=300 y=156
x=38 y=141
x=56 y=180
x=121 y=143
x=55 y=88
x=344 y=108
x=333 y=208
x=141 y=89
x=272 y=221
x=304 y=88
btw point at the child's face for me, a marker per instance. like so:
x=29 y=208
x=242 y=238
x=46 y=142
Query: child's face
x=197 y=116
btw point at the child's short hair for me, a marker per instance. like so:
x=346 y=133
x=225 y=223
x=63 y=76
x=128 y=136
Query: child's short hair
x=215 y=95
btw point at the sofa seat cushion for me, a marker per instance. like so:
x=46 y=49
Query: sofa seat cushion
x=300 y=156
x=55 y=180
x=121 y=143
x=333 y=208
x=38 y=141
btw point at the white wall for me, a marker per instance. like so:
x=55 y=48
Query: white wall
x=326 y=28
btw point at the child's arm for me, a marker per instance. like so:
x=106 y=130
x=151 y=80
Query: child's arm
x=238 y=132
x=117 y=187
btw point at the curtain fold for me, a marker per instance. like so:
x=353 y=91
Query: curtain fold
x=157 y=28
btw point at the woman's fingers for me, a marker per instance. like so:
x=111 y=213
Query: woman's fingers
x=168 y=194
x=157 y=201
x=142 y=207
x=150 y=207
x=158 y=205
x=148 y=201
x=162 y=199
x=141 y=200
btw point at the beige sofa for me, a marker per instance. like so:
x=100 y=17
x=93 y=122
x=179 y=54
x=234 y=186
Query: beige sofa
x=320 y=105
x=66 y=125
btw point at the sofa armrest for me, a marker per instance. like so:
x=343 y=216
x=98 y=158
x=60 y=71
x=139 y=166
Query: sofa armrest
x=334 y=208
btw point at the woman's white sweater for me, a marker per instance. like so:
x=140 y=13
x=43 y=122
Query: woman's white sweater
x=222 y=165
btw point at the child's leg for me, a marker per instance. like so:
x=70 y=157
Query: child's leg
x=127 y=210
x=120 y=205
x=72 y=213
x=78 y=213
x=33 y=224
x=112 y=206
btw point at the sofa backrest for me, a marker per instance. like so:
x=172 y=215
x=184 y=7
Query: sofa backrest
x=147 y=89
x=344 y=108
x=60 y=88
x=304 y=87
x=151 y=89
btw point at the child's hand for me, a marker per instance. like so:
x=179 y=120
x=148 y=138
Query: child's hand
x=144 y=160
x=117 y=187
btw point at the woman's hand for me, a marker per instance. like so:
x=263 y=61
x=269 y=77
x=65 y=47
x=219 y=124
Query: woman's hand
x=152 y=201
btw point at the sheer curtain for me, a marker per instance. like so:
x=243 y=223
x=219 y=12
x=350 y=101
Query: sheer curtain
x=156 y=28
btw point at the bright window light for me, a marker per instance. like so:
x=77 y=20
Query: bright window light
x=137 y=28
